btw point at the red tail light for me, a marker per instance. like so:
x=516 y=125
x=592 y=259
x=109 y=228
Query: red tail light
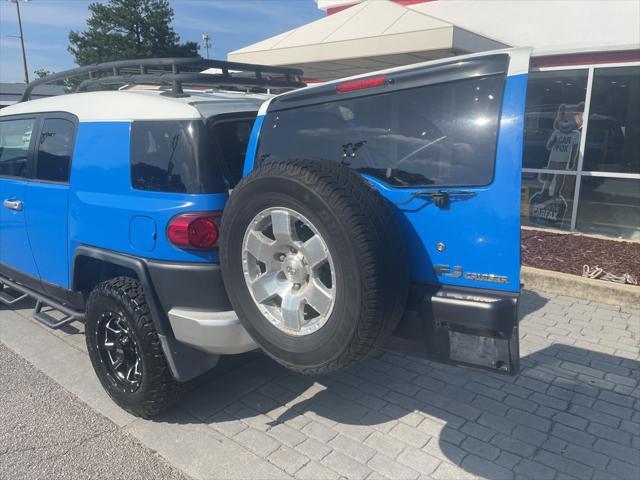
x=361 y=84
x=194 y=230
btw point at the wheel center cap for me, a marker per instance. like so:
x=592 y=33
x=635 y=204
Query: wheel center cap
x=294 y=269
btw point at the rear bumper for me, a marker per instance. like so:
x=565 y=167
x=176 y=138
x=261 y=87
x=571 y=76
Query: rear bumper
x=463 y=326
x=194 y=286
x=212 y=332
x=199 y=311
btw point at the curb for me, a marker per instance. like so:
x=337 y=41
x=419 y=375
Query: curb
x=580 y=287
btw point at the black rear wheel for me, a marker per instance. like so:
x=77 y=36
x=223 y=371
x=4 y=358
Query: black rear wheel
x=314 y=264
x=125 y=350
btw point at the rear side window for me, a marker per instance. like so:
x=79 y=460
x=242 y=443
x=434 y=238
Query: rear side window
x=174 y=156
x=232 y=138
x=55 y=146
x=436 y=135
x=15 y=138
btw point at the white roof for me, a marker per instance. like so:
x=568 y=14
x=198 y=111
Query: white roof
x=129 y=105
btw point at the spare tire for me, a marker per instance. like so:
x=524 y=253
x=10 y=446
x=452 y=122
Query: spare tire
x=314 y=263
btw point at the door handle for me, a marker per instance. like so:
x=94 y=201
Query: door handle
x=13 y=205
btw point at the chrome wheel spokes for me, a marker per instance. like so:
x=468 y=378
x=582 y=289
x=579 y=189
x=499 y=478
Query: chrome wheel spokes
x=289 y=271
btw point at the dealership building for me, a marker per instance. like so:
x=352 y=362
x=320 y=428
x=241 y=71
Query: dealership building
x=584 y=87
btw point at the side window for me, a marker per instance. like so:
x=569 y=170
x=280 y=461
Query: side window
x=232 y=137
x=436 y=135
x=15 y=138
x=55 y=146
x=174 y=157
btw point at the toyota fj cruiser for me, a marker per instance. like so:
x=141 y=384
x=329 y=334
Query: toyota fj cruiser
x=182 y=223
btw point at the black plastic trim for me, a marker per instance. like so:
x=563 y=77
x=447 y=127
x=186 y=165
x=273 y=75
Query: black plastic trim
x=136 y=265
x=185 y=362
x=462 y=326
x=196 y=286
x=21 y=278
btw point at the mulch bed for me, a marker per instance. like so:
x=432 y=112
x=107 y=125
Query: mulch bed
x=568 y=253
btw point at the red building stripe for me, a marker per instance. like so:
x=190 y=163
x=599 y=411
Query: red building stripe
x=332 y=10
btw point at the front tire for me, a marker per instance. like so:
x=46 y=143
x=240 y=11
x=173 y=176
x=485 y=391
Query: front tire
x=125 y=350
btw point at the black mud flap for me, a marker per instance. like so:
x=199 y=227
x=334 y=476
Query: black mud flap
x=462 y=326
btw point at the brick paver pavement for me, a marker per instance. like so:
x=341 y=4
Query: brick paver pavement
x=573 y=412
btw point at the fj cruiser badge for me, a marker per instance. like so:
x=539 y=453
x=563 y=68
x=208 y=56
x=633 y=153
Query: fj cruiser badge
x=456 y=272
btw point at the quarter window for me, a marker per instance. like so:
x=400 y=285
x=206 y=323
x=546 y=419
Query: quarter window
x=175 y=157
x=55 y=146
x=436 y=135
x=15 y=138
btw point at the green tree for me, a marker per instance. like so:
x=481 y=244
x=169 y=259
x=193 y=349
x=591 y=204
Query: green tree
x=42 y=72
x=124 y=29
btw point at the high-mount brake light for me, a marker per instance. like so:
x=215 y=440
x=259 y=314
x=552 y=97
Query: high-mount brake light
x=361 y=84
x=194 y=230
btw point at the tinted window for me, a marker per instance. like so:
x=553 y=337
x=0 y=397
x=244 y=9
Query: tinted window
x=441 y=134
x=15 y=137
x=553 y=119
x=232 y=137
x=609 y=206
x=55 y=146
x=174 y=156
x=613 y=135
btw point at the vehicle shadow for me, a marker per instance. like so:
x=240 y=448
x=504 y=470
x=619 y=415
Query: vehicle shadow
x=529 y=426
x=572 y=410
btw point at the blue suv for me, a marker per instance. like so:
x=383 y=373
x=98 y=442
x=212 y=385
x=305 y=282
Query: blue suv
x=182 y=215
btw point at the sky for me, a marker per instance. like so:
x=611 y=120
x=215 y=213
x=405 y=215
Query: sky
x=231 y=24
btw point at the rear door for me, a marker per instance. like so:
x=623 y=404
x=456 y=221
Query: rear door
x=443 y=142
x=16 y=143
x=47 y=197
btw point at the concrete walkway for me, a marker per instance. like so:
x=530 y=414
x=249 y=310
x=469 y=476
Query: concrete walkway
x=573 y=412
x=48 y=433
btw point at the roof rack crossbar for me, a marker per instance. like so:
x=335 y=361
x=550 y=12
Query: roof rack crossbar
x=190 y=78
x=183 y=70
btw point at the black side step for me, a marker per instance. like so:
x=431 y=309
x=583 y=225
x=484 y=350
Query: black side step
x=8 y=298
x=49 y=321
x=39 y=315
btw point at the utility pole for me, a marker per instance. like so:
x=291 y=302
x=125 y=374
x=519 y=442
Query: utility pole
x=207 y=44
x=24 y=54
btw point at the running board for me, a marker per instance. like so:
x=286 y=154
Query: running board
x=39 y=315
x=49 y=321
x=7 y=298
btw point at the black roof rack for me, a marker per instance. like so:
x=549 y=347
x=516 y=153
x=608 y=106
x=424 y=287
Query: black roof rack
x=175 y=72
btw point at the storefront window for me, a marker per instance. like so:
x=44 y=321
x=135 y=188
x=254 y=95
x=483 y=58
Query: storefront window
x=610 y=206
x=547 y=199
x=613 y=136
x=553 y=119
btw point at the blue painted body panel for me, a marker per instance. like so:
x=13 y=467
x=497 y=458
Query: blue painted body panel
x=100 y=208
x=482 y=233
x=46 y=218
x=101 y=211
x=253 y=145
x=15 y=250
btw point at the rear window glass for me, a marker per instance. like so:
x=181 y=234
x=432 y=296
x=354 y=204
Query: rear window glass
x=436 y=135
x=174 y=156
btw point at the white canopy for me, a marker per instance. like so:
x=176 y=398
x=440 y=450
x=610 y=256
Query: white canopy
x=377 y=34
x=369 y=36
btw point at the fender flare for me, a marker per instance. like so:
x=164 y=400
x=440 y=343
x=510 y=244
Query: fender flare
x=185 y=362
